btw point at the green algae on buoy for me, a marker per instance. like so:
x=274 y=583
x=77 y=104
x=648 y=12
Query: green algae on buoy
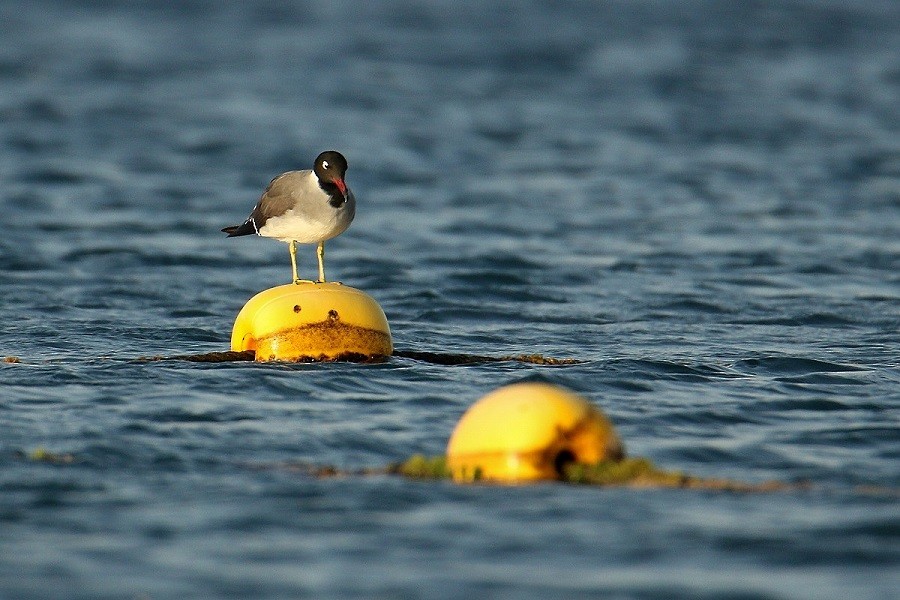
x=310 y=321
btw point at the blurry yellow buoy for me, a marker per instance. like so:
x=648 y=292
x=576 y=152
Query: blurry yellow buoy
x=528 y=432
x=312 y=321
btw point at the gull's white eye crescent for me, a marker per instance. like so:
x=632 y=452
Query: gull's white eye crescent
x=324 y=164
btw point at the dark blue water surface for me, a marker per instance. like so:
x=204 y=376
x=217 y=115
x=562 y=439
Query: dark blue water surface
x=699 y=200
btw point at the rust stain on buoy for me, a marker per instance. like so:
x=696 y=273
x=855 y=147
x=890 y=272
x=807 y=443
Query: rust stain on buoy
x=305 y=343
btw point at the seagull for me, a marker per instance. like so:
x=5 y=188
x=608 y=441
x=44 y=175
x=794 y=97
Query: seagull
x=304 y=207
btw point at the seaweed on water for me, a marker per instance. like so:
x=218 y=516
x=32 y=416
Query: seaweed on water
x=420 y=466
x=429 y=357
x=641 y=472
x=41 y=454
x=469 y=359
x=637 y=473
x=207 y=357
x=627 y=472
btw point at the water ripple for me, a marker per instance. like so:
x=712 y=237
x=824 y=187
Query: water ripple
x=779 y=365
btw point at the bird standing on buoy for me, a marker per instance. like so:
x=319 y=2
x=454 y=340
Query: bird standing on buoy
x=304 y=207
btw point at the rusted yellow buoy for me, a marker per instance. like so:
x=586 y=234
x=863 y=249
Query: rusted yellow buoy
x=312 y=321
x=527 y=432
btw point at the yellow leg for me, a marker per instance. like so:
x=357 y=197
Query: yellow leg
x=320 y=252
x=292 y=246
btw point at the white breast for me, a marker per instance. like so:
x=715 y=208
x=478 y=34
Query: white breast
x=307 y=227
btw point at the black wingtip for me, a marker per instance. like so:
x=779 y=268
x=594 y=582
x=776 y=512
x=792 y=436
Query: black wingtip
x=235 y=230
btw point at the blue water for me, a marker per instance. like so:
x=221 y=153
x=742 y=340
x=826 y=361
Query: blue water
x=698 y=200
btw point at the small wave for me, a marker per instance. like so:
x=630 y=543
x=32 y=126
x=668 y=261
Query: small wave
x=53 y=175
x=809 y=404
x=792 y=365
x=817 y=319
x=191 y=313
x=754 y=259
x=628 y=385
x=662 y=369
x=822 y=379
x=879 y=260
x=820 y=269
x=695 y=306
x=183 y=416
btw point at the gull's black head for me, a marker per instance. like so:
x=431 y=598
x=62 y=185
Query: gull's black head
x=330 y=168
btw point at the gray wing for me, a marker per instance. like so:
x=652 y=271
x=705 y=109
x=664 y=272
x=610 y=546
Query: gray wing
x=280 y=196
